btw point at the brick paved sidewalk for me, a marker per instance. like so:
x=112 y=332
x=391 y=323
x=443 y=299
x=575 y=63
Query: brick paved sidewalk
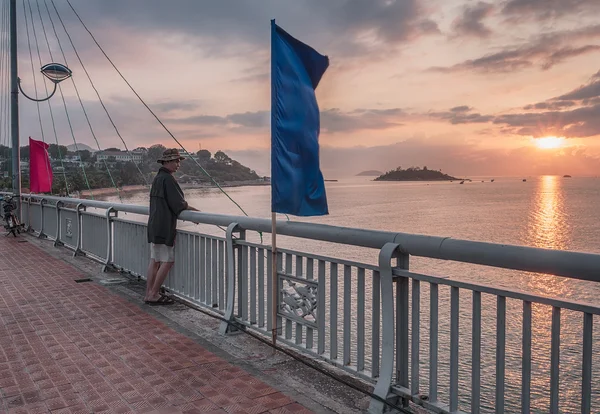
x=68 y=347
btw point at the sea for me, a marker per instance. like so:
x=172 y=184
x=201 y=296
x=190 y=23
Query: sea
x=552 y=212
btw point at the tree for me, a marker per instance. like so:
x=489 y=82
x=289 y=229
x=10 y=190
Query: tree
x=25 y=152
x=85 y=155
x=221 y=157
x=57 y=151
x=155 y=152
x=203 y=156
x=113 y=149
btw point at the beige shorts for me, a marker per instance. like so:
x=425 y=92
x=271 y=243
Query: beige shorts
x=162 y=253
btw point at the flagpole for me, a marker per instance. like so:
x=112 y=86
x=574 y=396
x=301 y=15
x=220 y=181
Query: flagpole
x=274 y=278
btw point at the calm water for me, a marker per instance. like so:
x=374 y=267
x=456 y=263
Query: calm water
x=550 y=212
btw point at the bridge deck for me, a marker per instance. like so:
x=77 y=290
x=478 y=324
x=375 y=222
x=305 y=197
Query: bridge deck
x=68 y=347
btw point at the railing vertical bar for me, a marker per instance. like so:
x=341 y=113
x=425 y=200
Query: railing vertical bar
x=244 y=283
x=310 y=263
x=402 y=327
x=360 y=340
x=476 y=355
x=288 y=328
x=278 y=287
x=261 y=287
x=526 y=368
x=222 y=255
x=208 y=266
x=416 y=332
x=321 y=308
x=500 y=352
x=433 y=341
x=347 y=312
x=298 y=335
x=202 y=273
x=288 y=264
x=269 y=292
x=333 y=311
x=214 y=259
x=253 y=285
x=198 y=264
x=454 y=324
x=586 y=375
x=299 y=274
x=555 y=360
x=376 y=321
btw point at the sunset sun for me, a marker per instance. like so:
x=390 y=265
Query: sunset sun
x=549 y=142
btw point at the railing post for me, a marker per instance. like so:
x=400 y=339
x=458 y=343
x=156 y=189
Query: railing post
x=225 y=327
x=57 y=241
x=42 y=201
x=382 y=389
x=110 y=213
x=79 y=209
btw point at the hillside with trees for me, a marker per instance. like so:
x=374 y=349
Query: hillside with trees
x=415 y=174
x=68 y=164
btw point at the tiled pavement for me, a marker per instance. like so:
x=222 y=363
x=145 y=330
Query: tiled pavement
x=68 y=347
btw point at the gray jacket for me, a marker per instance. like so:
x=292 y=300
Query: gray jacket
x=166 y=203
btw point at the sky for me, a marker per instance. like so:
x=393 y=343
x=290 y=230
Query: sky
x=473 y=88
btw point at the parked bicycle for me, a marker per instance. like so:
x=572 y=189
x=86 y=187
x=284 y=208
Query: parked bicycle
x=11 y=222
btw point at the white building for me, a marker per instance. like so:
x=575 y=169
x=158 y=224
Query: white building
x=120 y=156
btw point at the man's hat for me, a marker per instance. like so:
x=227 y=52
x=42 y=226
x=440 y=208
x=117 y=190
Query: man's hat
x=170 y=155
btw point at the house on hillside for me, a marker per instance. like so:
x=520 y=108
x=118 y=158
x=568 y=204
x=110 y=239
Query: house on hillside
x=119 y=156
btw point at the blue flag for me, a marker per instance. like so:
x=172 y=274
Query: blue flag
x=297 y=185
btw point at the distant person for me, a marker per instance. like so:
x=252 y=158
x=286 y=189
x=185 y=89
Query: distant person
x=166 y=203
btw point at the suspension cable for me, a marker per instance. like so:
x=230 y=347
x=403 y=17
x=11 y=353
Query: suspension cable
x=76 y=89
x=96 y=90
x=151 y=111
x=66 y=109
x=53 y=121
x=3 y=75
x=34 y=81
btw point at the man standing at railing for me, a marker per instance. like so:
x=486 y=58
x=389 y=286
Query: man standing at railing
x=166 y=203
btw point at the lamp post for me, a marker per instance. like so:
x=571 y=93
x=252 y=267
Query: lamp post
x=53 y=71
x=56 y=72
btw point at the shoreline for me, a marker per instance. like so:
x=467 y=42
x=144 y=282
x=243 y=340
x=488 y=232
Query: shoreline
x=142 y=187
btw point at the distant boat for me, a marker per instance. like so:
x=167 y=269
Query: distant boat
x=566 y=176
x=335 y=181
x=462 y=182
x=524 y=179
x=492 y=180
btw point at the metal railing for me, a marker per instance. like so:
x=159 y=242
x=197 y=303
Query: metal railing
x=382 y=323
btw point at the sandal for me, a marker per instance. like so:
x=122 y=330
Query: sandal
x=164 y=300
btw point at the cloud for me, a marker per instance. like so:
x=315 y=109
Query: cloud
x=590 y=90
x=543 y=51
x=470 y=23
x=174 y=106
x=547 y=9
x=332 y=120
x=462 y=108
x=241 y=27
x=461 y=115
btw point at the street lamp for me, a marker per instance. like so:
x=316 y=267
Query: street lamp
x=56 y=72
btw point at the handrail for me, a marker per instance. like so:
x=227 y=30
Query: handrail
x=576 y=265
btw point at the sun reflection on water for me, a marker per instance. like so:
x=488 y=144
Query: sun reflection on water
x=548 y=227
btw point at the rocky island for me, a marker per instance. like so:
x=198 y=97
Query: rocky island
x=415 y=174
x=369 y=173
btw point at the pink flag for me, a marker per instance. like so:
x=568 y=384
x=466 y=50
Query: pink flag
x=40 y=169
